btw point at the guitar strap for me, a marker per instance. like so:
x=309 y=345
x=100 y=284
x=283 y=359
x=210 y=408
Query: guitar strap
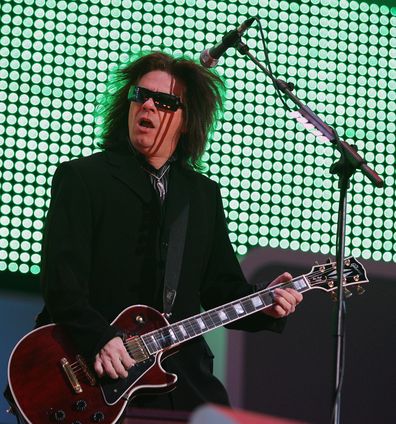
x=174 y=258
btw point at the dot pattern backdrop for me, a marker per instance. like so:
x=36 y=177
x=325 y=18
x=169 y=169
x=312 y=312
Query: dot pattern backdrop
x=55 y=59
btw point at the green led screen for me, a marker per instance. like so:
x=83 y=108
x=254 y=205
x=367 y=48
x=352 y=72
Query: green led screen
x=55 y=59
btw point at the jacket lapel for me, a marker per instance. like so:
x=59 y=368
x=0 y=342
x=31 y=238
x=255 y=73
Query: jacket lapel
x=126 y=168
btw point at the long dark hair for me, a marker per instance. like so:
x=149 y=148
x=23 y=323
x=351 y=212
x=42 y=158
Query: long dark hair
x=202 y=101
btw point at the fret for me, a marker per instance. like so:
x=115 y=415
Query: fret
x=215 y=318
x=208 y=321
x=149 y=344
x=181 y=331
x=257 y=302
x=267 y=298
x=192 y=327
x=232 y=313
x=248 y=306
x=201 y=324
x=288 y=285
x=154 y=342
x=195 y=325
x=164 y=338
x=299 y=284
x=222 y=315
x=177 y=337
x=174 y=334
x=187 y=328
x=239 y=309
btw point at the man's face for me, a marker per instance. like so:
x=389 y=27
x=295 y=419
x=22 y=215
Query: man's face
x=152 y=131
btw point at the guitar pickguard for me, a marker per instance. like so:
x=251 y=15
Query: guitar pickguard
x=113 y=390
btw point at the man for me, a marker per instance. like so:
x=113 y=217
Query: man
x=110 y=220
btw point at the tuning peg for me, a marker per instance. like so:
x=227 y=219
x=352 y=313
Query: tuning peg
x=334 y=297
x=347 y=293
x=360 y=290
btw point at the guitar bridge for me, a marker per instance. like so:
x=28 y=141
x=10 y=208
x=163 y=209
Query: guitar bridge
x=71 y=376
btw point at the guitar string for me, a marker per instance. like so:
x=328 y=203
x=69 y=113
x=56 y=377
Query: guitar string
x=190 y=324
x=166 y=340
x=193 y=329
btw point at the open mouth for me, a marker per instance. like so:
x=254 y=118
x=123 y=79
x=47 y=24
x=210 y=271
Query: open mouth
x=146 y=123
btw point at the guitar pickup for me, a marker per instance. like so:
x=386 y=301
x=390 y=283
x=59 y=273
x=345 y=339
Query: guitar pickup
x=85 y=369
x=137 y=349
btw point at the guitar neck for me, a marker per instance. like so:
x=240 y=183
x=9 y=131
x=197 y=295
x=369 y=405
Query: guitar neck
x=204 y=322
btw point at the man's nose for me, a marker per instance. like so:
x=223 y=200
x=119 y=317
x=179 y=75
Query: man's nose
x=149 y=105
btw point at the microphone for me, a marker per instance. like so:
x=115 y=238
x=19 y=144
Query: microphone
x=210 y=57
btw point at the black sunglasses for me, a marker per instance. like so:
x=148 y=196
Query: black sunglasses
x=162 y=101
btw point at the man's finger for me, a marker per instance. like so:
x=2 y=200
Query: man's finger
x=281 y=311
x=126 y=360
x=297 y=295
x=109 y=369
x=98 y=366
x=283 y=278
x=285 y=295
x=119 y=368
x=285 y=300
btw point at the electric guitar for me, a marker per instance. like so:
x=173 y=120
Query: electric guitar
x=51 y=382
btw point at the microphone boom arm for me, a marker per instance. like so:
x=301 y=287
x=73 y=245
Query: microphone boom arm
x=323 y=131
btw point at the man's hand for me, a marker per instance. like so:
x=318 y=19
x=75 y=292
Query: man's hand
x=286 y=300
x=113 y=360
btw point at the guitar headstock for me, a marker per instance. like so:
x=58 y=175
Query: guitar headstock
x=324 y=276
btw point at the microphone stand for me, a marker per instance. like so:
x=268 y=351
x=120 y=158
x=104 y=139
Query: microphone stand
x=345 y=167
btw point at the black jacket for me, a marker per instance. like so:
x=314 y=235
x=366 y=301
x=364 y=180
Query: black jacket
x=104 y=249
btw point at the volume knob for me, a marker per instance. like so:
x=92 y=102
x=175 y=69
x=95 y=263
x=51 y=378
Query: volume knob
x=80 y=405
x=98 y=416
x=59 y=415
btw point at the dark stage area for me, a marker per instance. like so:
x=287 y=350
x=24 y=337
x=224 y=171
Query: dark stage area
x=292 y=375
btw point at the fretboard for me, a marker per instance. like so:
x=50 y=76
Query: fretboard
x=204 y=322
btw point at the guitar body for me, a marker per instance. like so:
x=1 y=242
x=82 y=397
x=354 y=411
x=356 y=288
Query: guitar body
x=50 y=382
